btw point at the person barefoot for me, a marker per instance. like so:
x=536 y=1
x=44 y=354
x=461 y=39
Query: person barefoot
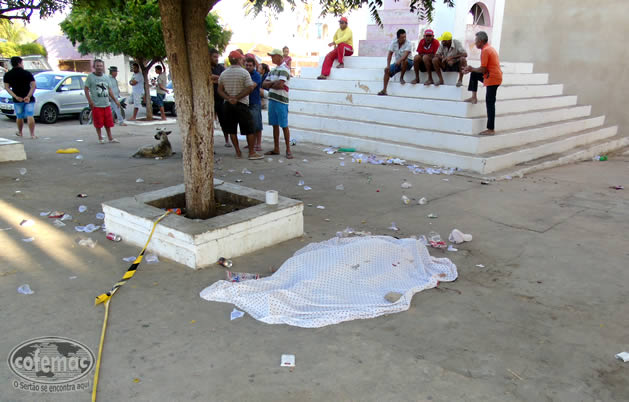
x=490 y=74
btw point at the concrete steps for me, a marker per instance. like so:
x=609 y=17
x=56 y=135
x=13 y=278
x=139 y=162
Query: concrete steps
x=374 y=74
x=537 y=124
x=447 y=92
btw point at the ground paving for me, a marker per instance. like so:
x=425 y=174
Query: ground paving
x=541 y=320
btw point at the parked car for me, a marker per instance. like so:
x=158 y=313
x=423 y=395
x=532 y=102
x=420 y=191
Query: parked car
x=169 y=101
x=58 y=93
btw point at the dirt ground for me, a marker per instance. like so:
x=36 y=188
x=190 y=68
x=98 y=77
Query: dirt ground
x=540 y=321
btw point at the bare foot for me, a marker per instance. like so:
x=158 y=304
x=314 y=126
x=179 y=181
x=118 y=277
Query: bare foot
x=322 y=77
x=289 y=155
x=341 y=65
x=459 y=83
x=429 y=82
x=487 y=132
x=163 y=118
x=439 y=83
x=471 y=100
x=238 y=155
x=415 y=82
x=132 y=119
x=402 y=82
x=123 y=124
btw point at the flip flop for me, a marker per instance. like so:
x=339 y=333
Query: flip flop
x=18 y=134
x=382 y=93
x=228 y=145
x=459 y=84
x=271 y=153
x=289 y=155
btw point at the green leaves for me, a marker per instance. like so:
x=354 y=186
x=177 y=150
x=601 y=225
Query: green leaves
x=132 y=28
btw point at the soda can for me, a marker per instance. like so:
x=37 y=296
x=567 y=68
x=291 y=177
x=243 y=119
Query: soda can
x=113 y=237
x=225 y=262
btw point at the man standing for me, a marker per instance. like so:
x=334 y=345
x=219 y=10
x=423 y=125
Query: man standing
x=113 y=73
x=490 y=74
x=255 y=103
x=137 y=89
x=161 y=90
x=426 y=51
x=20 y=84
x=277 y=84
x=343 y=46
x=98 y=93
x=401 y=48
x=217 y=70
x=451 y=56
x=235 y=85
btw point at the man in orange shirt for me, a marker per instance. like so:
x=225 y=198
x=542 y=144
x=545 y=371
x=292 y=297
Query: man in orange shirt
x=490 y=74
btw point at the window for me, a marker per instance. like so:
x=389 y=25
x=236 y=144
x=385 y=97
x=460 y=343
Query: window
x=478 y=15
x=72 y=84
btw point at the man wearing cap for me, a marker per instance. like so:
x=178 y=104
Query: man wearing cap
x=426 y=51
x=451 y=56
x=113 y=73
x=490 y=74
x=235 y=85
x=402 y=49
x=343 y=46
x=277 y=84
x=217 y=70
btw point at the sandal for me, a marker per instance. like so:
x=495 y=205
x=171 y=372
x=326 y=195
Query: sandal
x=18 y=134
x=382 y=93
x=271 y=153
x=289 y=155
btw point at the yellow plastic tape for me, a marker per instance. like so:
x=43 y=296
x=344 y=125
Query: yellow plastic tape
x=68 y=151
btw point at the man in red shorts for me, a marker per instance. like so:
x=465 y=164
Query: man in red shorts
x=98 y=93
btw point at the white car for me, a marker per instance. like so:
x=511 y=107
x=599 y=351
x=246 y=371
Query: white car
x=58 y=93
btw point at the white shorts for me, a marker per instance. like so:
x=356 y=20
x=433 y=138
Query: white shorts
x=137 y=100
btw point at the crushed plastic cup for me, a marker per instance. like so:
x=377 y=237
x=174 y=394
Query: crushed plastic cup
x=300 y=183
x=57 y=223
x=90 y=227
x=423 y=240
x=129 y=259
x=393 y=227
x=340 y=187
x=342 y=164
x=267 y=159
x=28 y=240
x=78 y=157
x=307 y=188
x=458 y=237
x=320 y=207
x=246 y=171
x=139 y=180
x=82 y=208
x=261 y=177
x=89 y=242
x=22 y=171
x=25 y=289
x=100 y=216
x=66 y=217
x=151 y=259
x=44 y=213
x=406 y=200
x=451 y=248
x=236 y=314
x=434 y=236
x=422 y=201
x=406 y=185
x=432 y=216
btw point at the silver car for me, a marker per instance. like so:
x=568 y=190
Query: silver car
x=58 y=93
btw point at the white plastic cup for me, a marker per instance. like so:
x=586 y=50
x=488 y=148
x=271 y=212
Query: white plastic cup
x=272 y=197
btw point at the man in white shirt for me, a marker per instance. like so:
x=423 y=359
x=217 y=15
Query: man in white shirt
x=451 y=56
x=137 y=90
x=402 y=49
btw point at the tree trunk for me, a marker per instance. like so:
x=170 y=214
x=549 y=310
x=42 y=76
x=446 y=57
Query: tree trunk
x=183 y=22
x=146 y=69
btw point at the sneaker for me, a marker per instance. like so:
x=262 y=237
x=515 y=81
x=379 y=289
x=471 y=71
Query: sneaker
x=254 y=157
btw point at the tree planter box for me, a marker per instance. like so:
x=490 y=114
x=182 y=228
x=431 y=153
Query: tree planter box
x=11 y=150
x=200 y=243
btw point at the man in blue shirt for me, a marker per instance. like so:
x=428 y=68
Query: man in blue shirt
x=255 y=103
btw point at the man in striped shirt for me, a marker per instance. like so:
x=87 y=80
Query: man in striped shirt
x=277 y=84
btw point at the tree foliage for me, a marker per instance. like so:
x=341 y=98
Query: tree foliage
x=423 y=8
x=24 y=9
x=28 y=49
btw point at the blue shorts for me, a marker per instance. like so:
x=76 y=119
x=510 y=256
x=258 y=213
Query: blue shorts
x=159 y=100
x=394 y=68
x=278 y=113
x=24 y=110
x=256 y=116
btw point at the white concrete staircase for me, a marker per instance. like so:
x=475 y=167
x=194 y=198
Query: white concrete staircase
x=535 y=121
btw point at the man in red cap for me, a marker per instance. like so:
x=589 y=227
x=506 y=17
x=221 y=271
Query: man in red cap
x=343 y=46
x=426 y=50
x=235 y=85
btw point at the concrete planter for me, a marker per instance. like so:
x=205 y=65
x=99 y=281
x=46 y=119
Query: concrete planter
x=199 y=244
x=11 y=150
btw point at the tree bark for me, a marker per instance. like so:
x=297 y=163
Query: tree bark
x=144 y=69
x=183 y=22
